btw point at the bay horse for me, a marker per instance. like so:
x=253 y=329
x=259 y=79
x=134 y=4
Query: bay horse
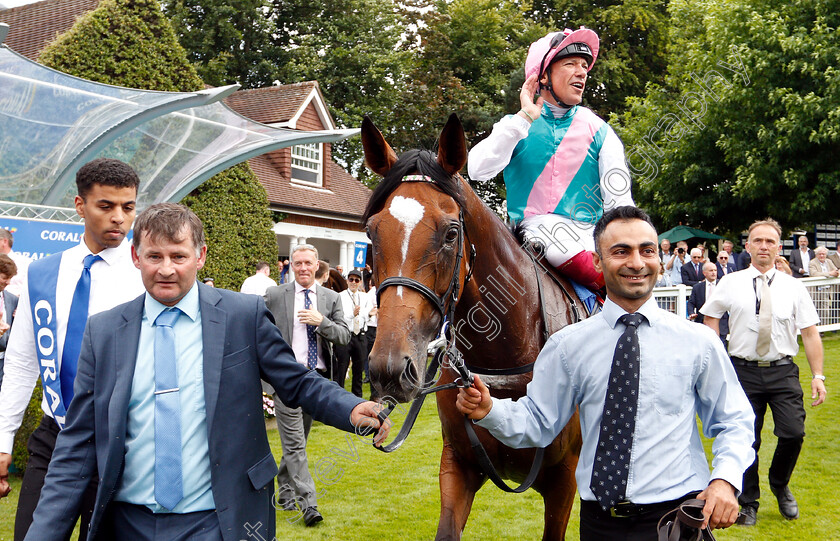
x=423 y=221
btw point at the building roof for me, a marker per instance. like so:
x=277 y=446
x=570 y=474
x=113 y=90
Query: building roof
x=33 y=26
x=282 y=104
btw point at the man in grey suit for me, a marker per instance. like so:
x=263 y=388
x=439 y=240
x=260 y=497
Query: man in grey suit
x=800 y=258
x=311 y=320
x=8 y=305
x=168 y=409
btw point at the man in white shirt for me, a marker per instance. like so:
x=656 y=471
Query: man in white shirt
x=356 y=306
x=98 y=270
x=259 y=282
x=766 y=307
x=638 y=408
x=22 y=262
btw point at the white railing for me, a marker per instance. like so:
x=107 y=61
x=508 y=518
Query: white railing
x=825 y=293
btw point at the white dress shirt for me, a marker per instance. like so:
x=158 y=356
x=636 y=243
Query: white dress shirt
x=737 y=292
x=373 y=304
x=18 y=282
x=300 y=341
x=349 y=301
x=806 y=261
x=257 y=284
x=113 y=281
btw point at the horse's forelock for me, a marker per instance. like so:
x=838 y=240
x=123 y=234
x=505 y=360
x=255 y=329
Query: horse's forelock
x=421 y=162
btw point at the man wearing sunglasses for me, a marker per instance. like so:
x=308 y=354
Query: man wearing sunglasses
x=563 y=165
x=356 y=306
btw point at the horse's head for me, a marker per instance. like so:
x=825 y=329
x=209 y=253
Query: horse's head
x=415 y=222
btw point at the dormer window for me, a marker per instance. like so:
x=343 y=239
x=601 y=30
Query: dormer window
x=307 y=164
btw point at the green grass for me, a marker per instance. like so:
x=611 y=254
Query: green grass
x=366 y=494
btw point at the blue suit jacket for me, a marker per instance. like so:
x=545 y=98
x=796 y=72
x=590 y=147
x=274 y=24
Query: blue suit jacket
x=241 y=345
x=696 y=301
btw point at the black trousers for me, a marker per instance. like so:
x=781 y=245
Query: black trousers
x=41 y=445
x=598 y=525
x=355 y=351
x=779 y=388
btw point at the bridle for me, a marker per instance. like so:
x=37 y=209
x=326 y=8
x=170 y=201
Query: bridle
x=445 y=305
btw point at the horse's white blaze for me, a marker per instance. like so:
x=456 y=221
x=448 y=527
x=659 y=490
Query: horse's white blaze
x=408 y=212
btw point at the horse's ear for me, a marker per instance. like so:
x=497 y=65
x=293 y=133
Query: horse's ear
x=379 y=155
x=452 y=150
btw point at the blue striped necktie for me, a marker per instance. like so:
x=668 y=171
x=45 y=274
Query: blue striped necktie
x=76 y=322
x=168 y=475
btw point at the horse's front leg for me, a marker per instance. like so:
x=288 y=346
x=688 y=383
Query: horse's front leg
x=458 y=484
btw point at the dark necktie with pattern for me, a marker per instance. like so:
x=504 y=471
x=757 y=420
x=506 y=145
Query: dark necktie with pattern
x=612 y=456
x=312 y=343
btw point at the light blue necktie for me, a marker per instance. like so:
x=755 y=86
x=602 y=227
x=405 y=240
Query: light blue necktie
x=312 y=343
x=169 y=488
x=76 y=322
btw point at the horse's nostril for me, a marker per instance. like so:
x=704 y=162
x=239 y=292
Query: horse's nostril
x=409 y=376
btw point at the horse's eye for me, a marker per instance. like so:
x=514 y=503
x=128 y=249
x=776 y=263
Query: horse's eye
x=452 y=235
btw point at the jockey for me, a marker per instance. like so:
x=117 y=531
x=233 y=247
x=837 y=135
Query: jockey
x=563 y=165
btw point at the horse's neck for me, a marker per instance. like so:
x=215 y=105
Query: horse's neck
x=499 y=308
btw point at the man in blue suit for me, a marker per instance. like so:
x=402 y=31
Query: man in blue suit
x=168 y=404
x=724 y=264
x=702 y=291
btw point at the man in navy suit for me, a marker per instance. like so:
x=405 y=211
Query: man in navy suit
x=702 y=291
x=724 y=266
x=168 y=404
x=692 y=272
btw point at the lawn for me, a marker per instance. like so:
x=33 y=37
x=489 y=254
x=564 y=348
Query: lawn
x=367 y=495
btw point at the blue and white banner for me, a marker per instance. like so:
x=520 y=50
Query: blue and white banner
x=36 y=239
x=360 y=254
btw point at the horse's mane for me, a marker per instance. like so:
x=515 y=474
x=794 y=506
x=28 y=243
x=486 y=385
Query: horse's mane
x=421 y=162
x=518 y=232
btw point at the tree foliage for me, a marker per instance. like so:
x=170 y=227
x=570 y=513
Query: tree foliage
x=746 y=123
x=634 y=40
x=130 y=43
x=228 y=41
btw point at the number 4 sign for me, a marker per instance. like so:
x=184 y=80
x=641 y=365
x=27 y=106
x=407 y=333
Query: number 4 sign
x=360 y=254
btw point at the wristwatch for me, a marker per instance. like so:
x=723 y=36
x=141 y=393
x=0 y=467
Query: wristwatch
x=819 y=376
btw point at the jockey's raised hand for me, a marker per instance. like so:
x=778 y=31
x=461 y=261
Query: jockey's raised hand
x=530 y=109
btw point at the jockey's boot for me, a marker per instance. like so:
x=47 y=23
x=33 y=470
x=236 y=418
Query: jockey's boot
x=581 y=269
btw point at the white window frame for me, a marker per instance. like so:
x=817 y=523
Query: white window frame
x=308 y=157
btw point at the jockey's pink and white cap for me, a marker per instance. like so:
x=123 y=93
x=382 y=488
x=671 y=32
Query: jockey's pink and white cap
x=543 y=51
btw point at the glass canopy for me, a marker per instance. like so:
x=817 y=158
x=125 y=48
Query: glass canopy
x=52 y=123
